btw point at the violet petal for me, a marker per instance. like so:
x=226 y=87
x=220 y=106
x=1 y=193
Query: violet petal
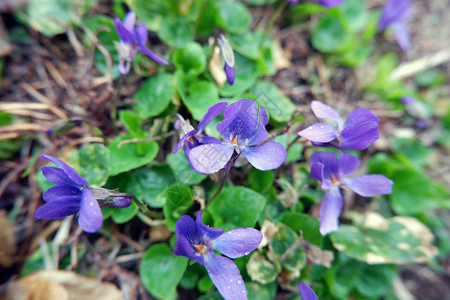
x=237 y=242
x=206 y=231
x=359 y=137
x=121 y=202
x=141 y=34
x=90 y=217
x=348 y=163
x=226 y=276
x=306 y=292
x=62 y=193
x=370 y=185
x=210 y=115
x=267 y=156
x=186 y=137
x=125 y=35
x=402 y=36
x=359 y=116
x=330 y=164
x=186 y=232
x=319 y=133
x=394 y=11
x=230 y=72
x=71 y=173
x=57 y=176
x=330 y=209
x=210 y=158
x=129 y=20
x=323 y=111
x=330 y=4
x=152 y=55
x=242 y=124
x=57 y=209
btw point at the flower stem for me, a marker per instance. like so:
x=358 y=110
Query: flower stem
x=115 y=101
x=276 y=15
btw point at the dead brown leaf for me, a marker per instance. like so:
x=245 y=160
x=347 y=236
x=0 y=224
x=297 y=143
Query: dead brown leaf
x=7 y=241
x=62 y=285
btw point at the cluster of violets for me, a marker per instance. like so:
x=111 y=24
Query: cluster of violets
x=243 y=132
x=359 y=131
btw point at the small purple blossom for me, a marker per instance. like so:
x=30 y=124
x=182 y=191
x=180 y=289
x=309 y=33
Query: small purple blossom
x=333 y=173
x=243 y=130
x=306 y=292
x=358 y=132
x=415 y=108
x=73 y=194
x=197 y=241
x=189 y=137
x=131 y=41
x=227 y=58
x=324 y=3
x=395 y=14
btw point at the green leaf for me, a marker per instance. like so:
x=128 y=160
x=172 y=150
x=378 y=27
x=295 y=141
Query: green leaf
x=341 y=278
x=148 y=184
x=330 y=35
x=248 y=43
x=123 y=215
x=354 y=14
x=377 y=240
x=46 y=16
x=154 y=95
x=208 y=20
x=260 y=269
x=260 y=291
x=179 y=200
x=246 y=74
x=233 y=16
x=132 y=122
x=295 y=151
x=161 y=271
x=183 y=171
x=287 y=250
x=376 y=281
x=278 y=106
x=236 y=207
x=131 y=155
x=191 y=59
x=260 y=181
x=176 y=32
x=201 y=95
x=92 y=162
x=307 y=224
x=150 y=12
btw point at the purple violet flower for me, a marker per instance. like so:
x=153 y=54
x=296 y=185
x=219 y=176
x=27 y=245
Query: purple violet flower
x=332 y=172
x=243 y=129
x=306 y=292
x=131 y=41
x=227 y=58
x=73 y=194
x=324 y=3
x=359 y=131
x=395 y=14
x=197 y=241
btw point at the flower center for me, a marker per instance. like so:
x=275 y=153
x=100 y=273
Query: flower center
x=235 y=141
x=201 y=249
x=334 y=180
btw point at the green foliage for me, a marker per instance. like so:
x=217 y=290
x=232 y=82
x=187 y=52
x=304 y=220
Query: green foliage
x=159 y=263
x=179 y=200
x=233 y=16
x=236 y=207
x=130 y=156
x=376 y=240
x=182 y=170
x=190 y=59
x=92 y=162
x=176 y=32
x=154 y=95
x=50 y=16
x=278 y=106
